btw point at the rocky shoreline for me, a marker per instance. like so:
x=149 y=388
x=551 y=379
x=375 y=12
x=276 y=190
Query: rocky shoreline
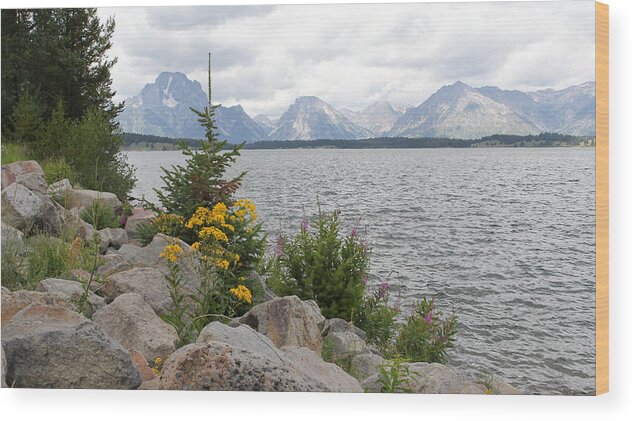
x=119 y=341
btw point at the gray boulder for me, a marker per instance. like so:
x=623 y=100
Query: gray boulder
x=12 y=239
x=26 y=173
x=365 y=365
x=59 y=188
x=133 y=323
x=331 y=376
x=139 y=216
x=76 y=198
x=53 y=347
x=345 y=345
x=74 y=226
x=112 y=237
x=288 y=321
x=13 y=302
x=340 y=325
x=148 y=282
x=218 y=366
x=73 y=290
x=23 y=209
x=242 y=337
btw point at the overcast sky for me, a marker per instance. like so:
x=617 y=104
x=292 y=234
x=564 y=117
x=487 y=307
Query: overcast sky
x=263 y=57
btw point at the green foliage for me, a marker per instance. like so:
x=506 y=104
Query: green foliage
x=395 y=377
x=58 y=169
x=27 y=121
x=200 y=182
x=426 y=336
x=319 y=264
x=43 y=256
x=378 y=320
x=145 y=233
x=55 y=137
x=13 y=152
x=100 y=216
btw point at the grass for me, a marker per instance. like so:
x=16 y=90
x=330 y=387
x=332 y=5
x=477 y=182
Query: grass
x=100 y=216
x=13 y=152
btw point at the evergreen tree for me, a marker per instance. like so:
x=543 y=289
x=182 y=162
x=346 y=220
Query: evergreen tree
x=200 y=182
x=27 y=121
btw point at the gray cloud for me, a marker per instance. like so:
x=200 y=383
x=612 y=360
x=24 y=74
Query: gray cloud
x=353 y=54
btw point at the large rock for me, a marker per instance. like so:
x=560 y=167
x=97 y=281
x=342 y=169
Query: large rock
x=345 y=345
x=148 y=282
x=112 y=237
x=82 y=199
x=133 y=323
x=13 y=302
x=218 y=366
x=24 y=209
x=73 y=291
x=27 y=173
x=147 y=375
x=330 y=375
x=430 y=378
x=340 y=325
x=139 y=216
x=288 y=321
x=365 y=365
x=59 y=188
x=53 y=347
x=75 y=226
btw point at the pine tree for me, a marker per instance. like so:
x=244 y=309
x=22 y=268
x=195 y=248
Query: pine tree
x=200 y=182
x=27 y=121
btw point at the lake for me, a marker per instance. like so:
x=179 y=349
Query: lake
x=504 y=237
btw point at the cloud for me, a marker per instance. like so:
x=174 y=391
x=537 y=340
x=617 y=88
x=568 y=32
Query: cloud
x=353 y=54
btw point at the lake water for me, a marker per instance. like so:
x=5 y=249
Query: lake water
x=505 y=237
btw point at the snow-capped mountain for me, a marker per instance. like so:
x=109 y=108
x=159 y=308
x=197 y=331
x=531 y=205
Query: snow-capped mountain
x=310 y=118
x=461 y=111
x=162 y=108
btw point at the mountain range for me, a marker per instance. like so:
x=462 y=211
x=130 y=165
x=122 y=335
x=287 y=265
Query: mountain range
x=162 y=108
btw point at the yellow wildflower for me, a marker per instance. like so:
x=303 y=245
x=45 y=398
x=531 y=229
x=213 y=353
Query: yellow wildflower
x=220 y=209
x=208 y=232
x=242 y=293
x=221 y=263
x=172 y=252
x=196 y=246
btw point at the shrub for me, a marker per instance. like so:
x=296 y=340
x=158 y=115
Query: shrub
x=377 y=319
x=426 y=336
x=13 y=152
x=26 y=119
x=58 y=169
x=321 y=265
x=395 y=377
x=100 y=216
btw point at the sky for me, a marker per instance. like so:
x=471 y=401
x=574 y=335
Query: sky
x=351 y=55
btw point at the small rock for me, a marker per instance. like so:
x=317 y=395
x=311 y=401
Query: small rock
x=288 y=321
x=139 y=216
x=144 y=369
x=330 y=375
x=133 y=323
x=340 y=325
x=366 y=365
x=74 y=226
x=345 y=345
x=53 y=347
x=148 y=282
x=13 y=302
x=115 y=237
x=27 y=173
x=82 y=199
x=218 y=366
x=59 y=188
x=74 y=291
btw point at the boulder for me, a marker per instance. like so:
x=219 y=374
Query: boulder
x=3 y=368
x=139 y=216
x=430 y=378
x=288 y=321
x=13 y=302
x=133 y=323
x=26 y=173
x=144 y=369
x=12 y=239
x=148 y=282
x=340 y=325
x=218 y=366
x=330 y=375
x=153 y=384
x=76 y=198
x=500 y=387
x=112 y=237
x=365 y=365
x=74 y=226
x=73 y=290
x=23 y=209
x=240 y=336
x=345 y=345
x=53 y=347
x=59 y=188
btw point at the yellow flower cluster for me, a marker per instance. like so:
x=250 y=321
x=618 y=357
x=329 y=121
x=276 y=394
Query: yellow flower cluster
x=166 y=222
x=157 y=366
x=242 y=293
x=206 y=216
x=208 y=232
x=172 y=252
x=245 y=207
